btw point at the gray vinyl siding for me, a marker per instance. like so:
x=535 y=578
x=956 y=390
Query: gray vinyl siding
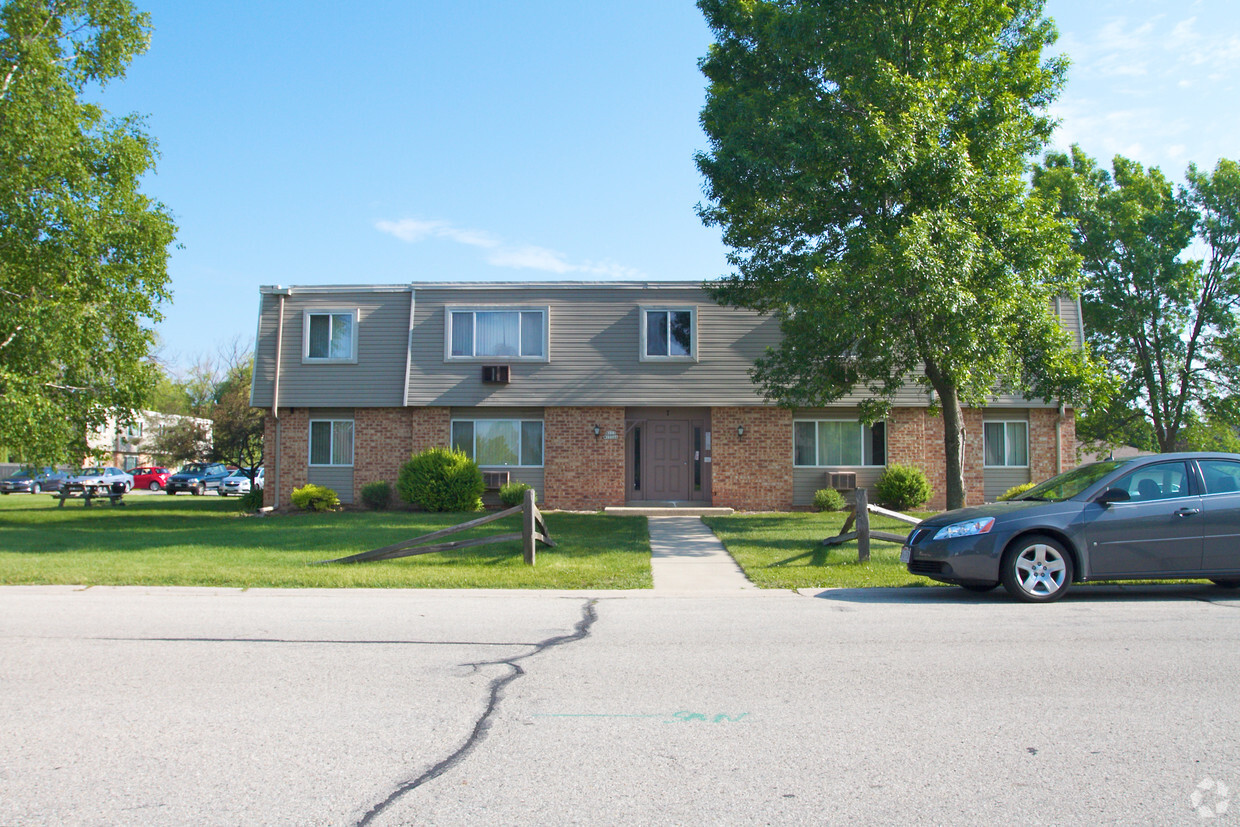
x=593 y=358
x=998 y=480
x=376 y=380
x=805 y=481
x=336 y=477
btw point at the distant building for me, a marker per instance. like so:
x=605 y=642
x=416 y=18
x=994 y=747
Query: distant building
x=130 y=445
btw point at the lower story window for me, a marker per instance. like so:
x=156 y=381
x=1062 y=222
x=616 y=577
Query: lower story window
x=832 y=442
x=331 y=442
x=1007 y=444
x=490 y=442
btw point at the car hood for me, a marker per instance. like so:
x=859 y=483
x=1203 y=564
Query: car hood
x=989 y=510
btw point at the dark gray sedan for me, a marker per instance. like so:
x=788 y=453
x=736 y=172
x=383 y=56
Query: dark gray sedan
x=1155 y=517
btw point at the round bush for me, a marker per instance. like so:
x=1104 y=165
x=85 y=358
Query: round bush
x=440 y=479
x=513 y=493
x=1015 y=491
x=251 y=500
x=903 y=487
x=377 y=495
x=828 y=499
x=315 y=498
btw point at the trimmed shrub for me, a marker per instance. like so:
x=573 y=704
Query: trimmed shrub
x=377 y=495
x=513 y=493
x=828 y=499
x=903 y=487
x=1016 y=490
x=440 y=479
x=315 y=498
x=251 y=500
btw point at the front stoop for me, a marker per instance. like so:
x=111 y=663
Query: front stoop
x=669 y=509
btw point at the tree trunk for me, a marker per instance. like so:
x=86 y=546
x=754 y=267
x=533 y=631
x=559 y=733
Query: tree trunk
x=953 y=435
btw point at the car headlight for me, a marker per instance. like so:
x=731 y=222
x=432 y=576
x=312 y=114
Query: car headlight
x=968 y=528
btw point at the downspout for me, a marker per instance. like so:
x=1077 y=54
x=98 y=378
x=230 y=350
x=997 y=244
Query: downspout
x=275 y=395
x=1059 y=439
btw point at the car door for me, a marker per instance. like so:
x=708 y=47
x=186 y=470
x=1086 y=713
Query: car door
x=1221 y=505
x=1159 y=530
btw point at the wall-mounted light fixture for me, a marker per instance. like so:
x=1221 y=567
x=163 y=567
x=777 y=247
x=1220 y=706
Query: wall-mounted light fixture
x=740 y=431
x=597 y=430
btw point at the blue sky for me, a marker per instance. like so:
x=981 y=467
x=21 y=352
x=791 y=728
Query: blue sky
x=394 y=142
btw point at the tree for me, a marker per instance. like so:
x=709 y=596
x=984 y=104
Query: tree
x=238 y=427
x=83 y=252
x=866 y=167
x=186 y=440
x=1164 y=323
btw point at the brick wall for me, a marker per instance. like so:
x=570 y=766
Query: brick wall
x=752 y=472
x=915 y=437
x=1042 y=422
x=293 y=460
x=583 y=472
x=385 y=438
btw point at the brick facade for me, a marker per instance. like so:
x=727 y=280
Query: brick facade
x=1042 y=423
x=583 y=472
x=752 y=472
x=293 y=457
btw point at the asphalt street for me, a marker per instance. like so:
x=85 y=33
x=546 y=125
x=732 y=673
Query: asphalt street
x=918 y=706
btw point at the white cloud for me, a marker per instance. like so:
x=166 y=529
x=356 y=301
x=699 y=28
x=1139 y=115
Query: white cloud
x=501 y=254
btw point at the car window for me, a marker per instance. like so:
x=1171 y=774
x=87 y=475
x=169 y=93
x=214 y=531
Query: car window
x=1155 y=482
x=1220 y=475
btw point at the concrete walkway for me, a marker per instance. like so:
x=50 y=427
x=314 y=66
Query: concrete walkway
x=686 y=557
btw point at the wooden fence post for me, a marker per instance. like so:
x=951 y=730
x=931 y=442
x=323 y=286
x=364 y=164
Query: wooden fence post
x=529 y=514
x=863 y=527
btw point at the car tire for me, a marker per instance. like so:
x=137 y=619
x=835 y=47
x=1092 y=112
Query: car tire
x=172 y=492
x=1036 y=569
x=198 y=490
x=36 y=489
x=154 y=486
x=1226 y=582
x=978 y=587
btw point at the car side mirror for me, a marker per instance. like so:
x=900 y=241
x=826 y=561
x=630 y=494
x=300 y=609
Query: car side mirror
x=1113 y=495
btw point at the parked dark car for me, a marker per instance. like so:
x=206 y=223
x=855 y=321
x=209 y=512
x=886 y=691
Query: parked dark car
x=150 y=477
x=33 y=481
x=1154 y=517
x=197 y=477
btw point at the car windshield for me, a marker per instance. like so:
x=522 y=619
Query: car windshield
x=193 y=468
x=86 y=471
x=1067 y=485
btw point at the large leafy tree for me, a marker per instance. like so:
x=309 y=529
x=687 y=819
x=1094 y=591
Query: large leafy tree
x=83 y=251
x=1164 y=321
x=238 y=428
x=866 y=166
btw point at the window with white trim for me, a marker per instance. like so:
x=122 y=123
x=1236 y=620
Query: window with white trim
x=500 y=442
x=668 y=333
x=833 y=443
x=330 y=336
x=1006 y=444
x=497 y=333
x=331 y=442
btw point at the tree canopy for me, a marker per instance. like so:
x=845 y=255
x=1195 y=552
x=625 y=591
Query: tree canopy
x=83 y=252
x=866 y=167
x=1163 y=320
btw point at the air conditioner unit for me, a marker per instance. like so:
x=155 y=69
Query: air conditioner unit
x=494 y=479
x=842 y=480
x=495 y=373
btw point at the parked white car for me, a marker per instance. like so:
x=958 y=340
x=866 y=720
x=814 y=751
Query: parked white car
x=102 y=479
x=238 y=483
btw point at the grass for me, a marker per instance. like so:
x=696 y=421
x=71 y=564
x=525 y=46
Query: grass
x=206 y=541
x=785 y=551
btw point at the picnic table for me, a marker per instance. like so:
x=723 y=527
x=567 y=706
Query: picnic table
x=114 y=493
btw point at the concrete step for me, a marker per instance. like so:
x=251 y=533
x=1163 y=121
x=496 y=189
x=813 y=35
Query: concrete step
x=657 y=510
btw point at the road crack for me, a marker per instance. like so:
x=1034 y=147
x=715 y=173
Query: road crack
x=580 y=631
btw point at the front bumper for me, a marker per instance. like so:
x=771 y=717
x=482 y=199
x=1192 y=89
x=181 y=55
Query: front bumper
x=973 y=559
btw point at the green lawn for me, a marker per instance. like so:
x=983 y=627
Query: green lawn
x=205 y=541
x=785 y=551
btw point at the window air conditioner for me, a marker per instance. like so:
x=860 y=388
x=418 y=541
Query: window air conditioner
x=494 y=479
x=842 y=480
x=495 y=373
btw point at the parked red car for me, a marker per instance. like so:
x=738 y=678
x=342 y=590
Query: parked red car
x=151 y=478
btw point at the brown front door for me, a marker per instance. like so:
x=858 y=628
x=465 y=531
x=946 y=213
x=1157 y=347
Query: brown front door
x=668 y=453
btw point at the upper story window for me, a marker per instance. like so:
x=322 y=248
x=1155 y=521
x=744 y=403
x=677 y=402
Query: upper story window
x=497 y=333
x=1007 y=444
x=669 y=333
x=330 y=336
x=830 y=443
